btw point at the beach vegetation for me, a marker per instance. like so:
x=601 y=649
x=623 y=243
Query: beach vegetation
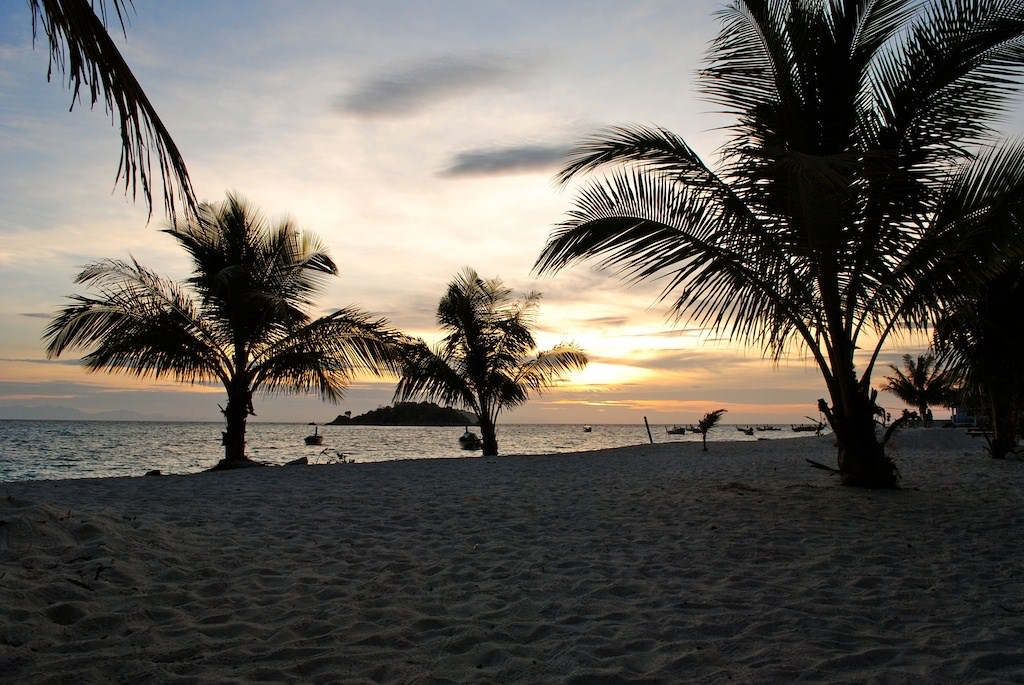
x=705 y=425
x=488 y=360
x=982 y=341
x=408 y=414
x=922 y=382
x=83 y=51
x=240 y=320
x=861 y=192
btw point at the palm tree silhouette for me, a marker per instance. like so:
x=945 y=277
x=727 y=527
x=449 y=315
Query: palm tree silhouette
x=850 y=202
x=982 y=344
x=239 y=320
x=709 y=421
x=921 y=382
x=487 y=361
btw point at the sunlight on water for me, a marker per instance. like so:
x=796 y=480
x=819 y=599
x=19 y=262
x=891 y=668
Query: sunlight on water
x=44 y=450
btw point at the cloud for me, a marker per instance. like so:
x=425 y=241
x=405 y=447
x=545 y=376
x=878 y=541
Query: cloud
x=53 y=362
x=411 y=89
x=495 y=161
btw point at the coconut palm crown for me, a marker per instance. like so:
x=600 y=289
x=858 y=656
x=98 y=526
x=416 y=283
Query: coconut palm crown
x=241 y=319
x=860 y=190
x=487 y=361
x=922 y=382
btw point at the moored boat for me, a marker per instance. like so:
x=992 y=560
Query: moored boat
x=315 y=438
x=470 y=440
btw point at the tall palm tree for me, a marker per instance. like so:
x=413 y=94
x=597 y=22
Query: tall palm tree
x=921 y=382
x=982 y=342
x=487 y=361
x=849 y=203
x=83 y=51
x=241 y=318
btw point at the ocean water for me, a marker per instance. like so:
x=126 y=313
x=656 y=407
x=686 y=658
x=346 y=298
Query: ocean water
x=48 y=450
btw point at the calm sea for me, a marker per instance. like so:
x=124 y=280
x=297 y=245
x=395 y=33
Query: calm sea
x=47 y=450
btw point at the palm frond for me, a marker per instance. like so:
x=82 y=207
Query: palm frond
x=139 y=324
x=651 y=148
x=82 y=50
x=724 y=269
x=327 y=354
x=957 y=69
x=433 y=377
x=549 y=367
x=710 y=420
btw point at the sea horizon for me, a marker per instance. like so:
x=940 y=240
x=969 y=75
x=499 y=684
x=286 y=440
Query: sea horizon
x=44 y=449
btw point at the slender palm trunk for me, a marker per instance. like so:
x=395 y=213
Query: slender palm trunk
x=1005 y=421
x=235 y=415
x=489 y=436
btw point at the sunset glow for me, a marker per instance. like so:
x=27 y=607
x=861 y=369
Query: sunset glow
x=410 y=153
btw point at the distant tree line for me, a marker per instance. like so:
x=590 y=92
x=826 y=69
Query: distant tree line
x=409 y=414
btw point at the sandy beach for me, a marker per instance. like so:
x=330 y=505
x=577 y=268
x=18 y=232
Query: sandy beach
x=648 y=564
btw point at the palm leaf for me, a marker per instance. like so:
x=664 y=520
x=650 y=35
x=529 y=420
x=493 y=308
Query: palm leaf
x=81 y=49
x=139 y=324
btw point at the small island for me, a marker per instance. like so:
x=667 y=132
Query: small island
x=408 y=414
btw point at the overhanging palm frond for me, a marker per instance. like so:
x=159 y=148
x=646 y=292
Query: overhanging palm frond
x=81 y=48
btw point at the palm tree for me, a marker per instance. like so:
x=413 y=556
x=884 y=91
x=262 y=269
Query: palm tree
x=849 y=203
x=83 y=51
x=707 y=423
x=487 y=361
x=920 y=383
x=982 y=343
x=240 y=319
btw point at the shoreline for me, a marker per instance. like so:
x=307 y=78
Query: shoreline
x=652 y=563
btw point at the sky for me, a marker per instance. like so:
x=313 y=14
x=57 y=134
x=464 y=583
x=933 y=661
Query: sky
x=415 y=139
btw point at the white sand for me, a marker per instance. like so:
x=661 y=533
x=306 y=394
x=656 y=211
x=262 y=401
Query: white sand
x=640 y=565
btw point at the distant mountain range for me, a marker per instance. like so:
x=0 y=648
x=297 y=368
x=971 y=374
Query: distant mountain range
x=50 y=413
